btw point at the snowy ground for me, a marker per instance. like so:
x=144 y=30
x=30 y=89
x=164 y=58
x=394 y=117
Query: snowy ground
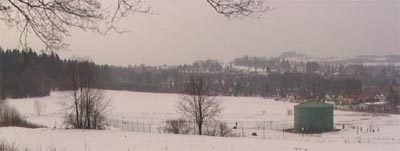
x=77 y=140
x=263 y=116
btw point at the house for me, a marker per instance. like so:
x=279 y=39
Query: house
x=398 y=109
x=379 y=106
x=348 y=100
x=329 y=99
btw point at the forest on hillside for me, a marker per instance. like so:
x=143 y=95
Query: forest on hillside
x=31 y=74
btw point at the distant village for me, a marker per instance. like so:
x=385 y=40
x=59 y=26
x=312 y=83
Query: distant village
x=379 y=77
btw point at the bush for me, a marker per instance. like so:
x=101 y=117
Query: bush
x=9 y=116
x=177 y=126
x=224 y=130
x=7 y=146
x=289 y=112
x=214 y=128
x=218 y=128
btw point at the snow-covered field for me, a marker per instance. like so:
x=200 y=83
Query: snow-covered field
x=253 y=115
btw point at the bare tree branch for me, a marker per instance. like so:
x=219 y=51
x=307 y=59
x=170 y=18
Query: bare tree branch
x=239 y=8
x=51 y=20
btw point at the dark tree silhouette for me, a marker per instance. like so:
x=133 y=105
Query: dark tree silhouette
x=393 y=95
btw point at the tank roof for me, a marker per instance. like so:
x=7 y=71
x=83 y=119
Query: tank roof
x=313 y=104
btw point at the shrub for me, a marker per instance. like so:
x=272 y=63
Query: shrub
x=289 y=112
x=177 y=126
x=7 y=146
x=9 y=116
x=39 y=107
x=224 y=130
x=218 y=128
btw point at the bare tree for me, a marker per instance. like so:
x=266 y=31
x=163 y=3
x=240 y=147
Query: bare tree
x=89 y=104
x=197 y=102
x=51 y=20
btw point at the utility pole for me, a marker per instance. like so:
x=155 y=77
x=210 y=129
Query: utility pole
x=1 y=77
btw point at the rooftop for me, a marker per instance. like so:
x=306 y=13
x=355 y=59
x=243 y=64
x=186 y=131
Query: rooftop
x=313 y=104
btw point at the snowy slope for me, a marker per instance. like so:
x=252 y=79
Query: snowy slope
x=362 y=131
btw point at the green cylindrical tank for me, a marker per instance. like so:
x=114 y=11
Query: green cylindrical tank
x=313 y=117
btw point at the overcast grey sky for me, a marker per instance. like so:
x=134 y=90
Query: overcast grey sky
x=186 y=30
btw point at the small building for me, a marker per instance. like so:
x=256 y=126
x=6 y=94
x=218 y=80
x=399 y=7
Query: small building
x=313 y=117
x=372 y=106
x=398 y=109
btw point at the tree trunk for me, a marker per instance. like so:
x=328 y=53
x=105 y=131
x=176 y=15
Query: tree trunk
x=200 y=125
x=88 y=112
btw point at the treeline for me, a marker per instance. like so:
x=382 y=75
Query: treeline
x=377 y=77
x=29 y=74
x=228 y=83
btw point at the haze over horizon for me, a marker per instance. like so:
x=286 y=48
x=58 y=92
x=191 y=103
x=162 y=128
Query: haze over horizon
x=183 y=31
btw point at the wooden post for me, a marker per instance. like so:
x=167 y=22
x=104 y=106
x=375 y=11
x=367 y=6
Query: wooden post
x=264 y=130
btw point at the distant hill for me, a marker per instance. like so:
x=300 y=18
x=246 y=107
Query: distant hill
x=368 y=60
x=292 y=54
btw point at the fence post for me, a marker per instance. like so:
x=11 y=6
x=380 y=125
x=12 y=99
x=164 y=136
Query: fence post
x=264 y=130
x=283 y=130
x=129 y=126
x=150 y=128
x=133 y=126
x=138 y=127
